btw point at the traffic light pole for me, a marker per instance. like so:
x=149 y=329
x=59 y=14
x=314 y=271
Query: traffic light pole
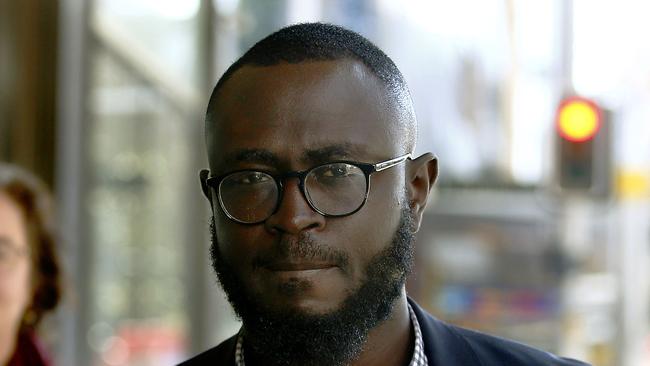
x=581 y=303
x=634 y=271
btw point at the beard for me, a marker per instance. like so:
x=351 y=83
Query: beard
x=283 y=337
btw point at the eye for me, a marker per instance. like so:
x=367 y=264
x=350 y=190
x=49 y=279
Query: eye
x=337 y=171
x=253 y=178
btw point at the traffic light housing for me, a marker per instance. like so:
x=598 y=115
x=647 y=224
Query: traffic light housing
x=583 y=146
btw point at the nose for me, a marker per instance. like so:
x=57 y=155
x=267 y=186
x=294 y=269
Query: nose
x=294 y=214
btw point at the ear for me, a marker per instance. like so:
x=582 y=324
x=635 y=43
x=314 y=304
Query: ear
x=421 y=175
x=207 y=191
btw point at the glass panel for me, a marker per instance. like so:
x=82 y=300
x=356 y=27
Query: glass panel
x=138 y=153
x=164 y=30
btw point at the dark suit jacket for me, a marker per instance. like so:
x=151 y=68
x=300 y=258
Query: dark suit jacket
x=444 y=345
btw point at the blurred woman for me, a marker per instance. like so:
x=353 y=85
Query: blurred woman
x=29 y=269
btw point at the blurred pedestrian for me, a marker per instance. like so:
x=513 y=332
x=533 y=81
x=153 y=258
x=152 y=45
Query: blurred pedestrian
x=29 y=269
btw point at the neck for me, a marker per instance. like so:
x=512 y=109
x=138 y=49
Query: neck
x=391 y=342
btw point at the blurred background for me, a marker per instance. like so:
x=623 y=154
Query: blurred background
x=529 y=235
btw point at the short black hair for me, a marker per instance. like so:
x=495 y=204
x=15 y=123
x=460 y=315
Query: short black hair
x=323 y=42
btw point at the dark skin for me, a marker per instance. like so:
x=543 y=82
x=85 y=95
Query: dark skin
x=294 y=116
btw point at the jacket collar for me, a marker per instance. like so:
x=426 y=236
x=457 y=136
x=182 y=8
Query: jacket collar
x=442 y=345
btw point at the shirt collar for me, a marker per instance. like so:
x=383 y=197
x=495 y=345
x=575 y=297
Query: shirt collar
x=418 y=358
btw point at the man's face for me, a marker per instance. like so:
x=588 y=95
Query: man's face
x=292 y=117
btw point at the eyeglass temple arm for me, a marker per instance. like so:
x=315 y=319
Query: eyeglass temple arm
x=391 y=163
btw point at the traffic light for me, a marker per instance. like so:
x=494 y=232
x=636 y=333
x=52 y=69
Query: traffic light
x=583 y=146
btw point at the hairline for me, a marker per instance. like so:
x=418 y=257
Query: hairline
x=393 y=89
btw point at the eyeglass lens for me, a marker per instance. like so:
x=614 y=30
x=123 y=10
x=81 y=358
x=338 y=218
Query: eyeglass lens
x=249 y=196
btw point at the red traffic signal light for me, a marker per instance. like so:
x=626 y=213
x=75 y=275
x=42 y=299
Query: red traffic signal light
x=582 y=146
x=578 y=119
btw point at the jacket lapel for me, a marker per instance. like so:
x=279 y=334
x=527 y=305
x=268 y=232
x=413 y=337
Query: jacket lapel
x=442 y=345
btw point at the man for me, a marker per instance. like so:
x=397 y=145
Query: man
x=316 y=200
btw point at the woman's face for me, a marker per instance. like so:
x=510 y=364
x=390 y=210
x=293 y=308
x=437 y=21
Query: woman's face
x=15 y=288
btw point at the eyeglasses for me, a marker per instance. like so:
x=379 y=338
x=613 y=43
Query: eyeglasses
x=333 y=189
x=9 y=255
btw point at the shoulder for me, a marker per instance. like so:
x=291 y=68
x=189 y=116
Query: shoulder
x=223 y=354
x=445 y=343
x=28 y=351
x=507 y=352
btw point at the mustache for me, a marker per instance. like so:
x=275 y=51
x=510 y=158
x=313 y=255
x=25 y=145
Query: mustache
x=301 y=248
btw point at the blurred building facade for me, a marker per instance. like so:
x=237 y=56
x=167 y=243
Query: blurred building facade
x=106 y=101
x=28 y=64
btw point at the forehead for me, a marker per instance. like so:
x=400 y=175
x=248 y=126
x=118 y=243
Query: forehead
x=290 y=109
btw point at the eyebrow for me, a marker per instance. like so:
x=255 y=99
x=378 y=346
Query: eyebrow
x=320 y=155
x=333 y=152
x=261 y=156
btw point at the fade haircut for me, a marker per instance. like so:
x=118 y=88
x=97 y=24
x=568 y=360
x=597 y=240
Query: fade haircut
x=327 y=42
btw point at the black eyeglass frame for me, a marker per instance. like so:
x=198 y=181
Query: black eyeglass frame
x=367 y=168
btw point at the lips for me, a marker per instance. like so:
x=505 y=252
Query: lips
x=300 y=254
x=297 y=266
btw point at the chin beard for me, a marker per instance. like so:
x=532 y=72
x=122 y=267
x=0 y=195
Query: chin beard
x=287 y=337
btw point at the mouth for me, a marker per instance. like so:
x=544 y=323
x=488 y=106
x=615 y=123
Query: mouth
x=303 y=280
x=298 y=266
x=299 y=271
